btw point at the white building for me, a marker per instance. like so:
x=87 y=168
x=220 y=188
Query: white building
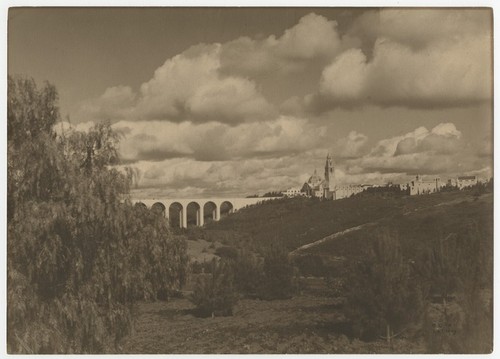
x=419 y=186
x=348 y=190
x=293 y=192
x=466 y=181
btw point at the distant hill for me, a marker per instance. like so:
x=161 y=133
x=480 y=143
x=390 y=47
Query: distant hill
x=299 y=221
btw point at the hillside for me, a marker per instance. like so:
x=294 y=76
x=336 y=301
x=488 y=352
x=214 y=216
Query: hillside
x=299 y=221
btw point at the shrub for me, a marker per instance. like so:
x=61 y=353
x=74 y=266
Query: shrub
x=214 y=294
x=248 y=273
x=381 y=297
x=311 y=265
x=277 y=279
x=227 y=252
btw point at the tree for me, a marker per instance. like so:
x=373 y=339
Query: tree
x=214 y=294
x=277 y=276
x=78 y=253
x=459 y=266
x=381 y=296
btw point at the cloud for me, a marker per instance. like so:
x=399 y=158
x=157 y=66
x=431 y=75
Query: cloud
x=438 y=151
x=114 y=104
x=313 y=38
x=419 y=28
x=189 y=177
x=352 y=146
x=211 y=141
x=187 y=87
x=447 y=66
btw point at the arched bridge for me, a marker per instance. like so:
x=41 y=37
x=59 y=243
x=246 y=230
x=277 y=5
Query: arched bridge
x=196 y=211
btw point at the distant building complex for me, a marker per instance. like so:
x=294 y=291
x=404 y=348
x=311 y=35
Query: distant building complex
x=327 y=188
x=419 y=186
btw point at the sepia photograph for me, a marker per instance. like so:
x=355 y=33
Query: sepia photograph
x=249 y=180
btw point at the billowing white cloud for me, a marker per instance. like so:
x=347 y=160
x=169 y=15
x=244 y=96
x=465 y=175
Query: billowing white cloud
x=187 y=87
x=447 y=64
x=438 y=151
x=313 y=38
x=351 y=146
x=419 y=28
x=159 y=140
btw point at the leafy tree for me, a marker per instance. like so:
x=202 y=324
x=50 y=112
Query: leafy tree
x=248 y=273
x=277 y=280
x=214 y=294
x=381 y=296
x=460 y=268
x=78 y=253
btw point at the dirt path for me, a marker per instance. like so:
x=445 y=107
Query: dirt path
x=332 y=236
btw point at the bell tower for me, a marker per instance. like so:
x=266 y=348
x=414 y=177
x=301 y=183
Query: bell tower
x=329 y=178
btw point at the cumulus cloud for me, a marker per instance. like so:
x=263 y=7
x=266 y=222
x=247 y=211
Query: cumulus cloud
x=352 y=146
x=313 y=38
x=115 y=103
x=422 y=27
x=187 y=87
x=446 y=66
x=438 y=151
x=159 y=140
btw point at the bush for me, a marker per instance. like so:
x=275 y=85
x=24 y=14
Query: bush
x=248 y=273
x=311 y=265
x=277 y=279
x=214 y=294
x=227 y=252
x=381 y=296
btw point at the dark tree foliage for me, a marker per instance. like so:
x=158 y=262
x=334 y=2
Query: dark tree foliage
x=273 y=194
x=214 y=293
x=248 y=273
x=381 y=296
x=79 y=254
x=278 y=273
x=459 y=268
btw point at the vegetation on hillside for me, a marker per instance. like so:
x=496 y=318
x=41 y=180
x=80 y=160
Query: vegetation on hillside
x=78 y=255
x=423 y=270
x=298 y=221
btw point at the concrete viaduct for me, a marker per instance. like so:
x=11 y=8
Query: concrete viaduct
x=196 y=211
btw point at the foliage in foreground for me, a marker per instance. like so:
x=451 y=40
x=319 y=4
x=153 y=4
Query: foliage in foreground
x=441 y=284
x=214 y=293
x=382 y=296
x=78 y=255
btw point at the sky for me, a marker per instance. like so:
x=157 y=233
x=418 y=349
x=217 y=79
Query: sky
x=234 y=101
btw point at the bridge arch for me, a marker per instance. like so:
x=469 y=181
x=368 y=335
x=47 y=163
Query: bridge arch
x=159 y=208
x=207 y=208
x=140 y=205
x=210 y=212
x=194 y=214
x=226 y=208
x=176 y=214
